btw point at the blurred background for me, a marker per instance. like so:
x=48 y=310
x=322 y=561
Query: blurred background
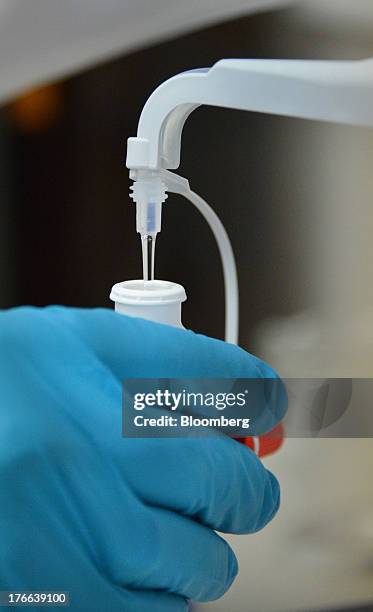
x=296 y=199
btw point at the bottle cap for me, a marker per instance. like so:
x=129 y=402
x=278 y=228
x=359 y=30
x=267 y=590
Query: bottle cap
x=156 y=300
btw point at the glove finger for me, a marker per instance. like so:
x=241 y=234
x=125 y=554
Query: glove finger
x=135 y=348
x=218 y=481
x=169 y=552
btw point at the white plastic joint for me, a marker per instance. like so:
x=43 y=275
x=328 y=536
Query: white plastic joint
x=149 y=193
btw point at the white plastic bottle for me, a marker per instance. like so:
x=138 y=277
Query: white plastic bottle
x=155 y=300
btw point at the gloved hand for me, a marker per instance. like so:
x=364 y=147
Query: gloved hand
x=122 y=524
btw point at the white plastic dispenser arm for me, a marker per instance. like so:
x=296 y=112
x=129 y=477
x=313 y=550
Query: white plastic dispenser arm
x=334 y=91
x=340 y=92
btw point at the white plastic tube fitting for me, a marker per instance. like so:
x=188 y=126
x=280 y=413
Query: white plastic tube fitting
x=149 y=193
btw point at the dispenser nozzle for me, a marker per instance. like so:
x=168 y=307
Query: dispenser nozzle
x=149 y=193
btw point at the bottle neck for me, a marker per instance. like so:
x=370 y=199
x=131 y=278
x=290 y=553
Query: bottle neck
x=158 y=301
x=169 y=314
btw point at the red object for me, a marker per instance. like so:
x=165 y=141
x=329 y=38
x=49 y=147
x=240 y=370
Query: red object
x=267 y=444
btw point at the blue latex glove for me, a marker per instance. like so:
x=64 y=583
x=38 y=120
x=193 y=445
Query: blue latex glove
x=122 y=524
